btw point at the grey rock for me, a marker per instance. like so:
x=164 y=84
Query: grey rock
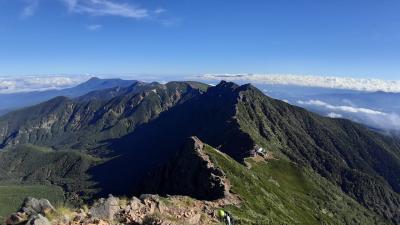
x=16 y=218
x=38 y=220
x=135 y=204
x=33 y=206
x=105 y=209
x=148 y=196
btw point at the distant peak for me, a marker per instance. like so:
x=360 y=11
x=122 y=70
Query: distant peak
x=227 y=84
x=93 y=79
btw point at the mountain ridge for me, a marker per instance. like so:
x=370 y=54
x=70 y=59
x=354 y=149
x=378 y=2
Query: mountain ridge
x=15 y=101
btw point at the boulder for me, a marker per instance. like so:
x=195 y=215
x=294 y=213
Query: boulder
x=38 y=220
x=105 y=209
x=33 y=206
x=32 y=212
x=135 y=204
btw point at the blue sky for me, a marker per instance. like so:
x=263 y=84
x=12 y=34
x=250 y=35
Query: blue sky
x=317 y=37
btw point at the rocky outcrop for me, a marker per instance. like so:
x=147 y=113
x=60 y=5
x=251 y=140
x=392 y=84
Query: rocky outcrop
x=32 y=212
x=190 y=173
x=105 y=208
x=145 y=210
x=38 y=220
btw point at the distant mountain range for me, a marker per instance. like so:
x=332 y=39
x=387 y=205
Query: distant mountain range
x=13 y=101
x=114 y=139
x=378 y=110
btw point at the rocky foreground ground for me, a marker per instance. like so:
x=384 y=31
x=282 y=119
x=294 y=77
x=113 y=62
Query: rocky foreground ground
x=148 y=209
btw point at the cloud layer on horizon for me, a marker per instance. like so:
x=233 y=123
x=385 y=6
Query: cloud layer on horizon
x=342 y=108
x=311 y=81
x=38 y=83
x=371 y=117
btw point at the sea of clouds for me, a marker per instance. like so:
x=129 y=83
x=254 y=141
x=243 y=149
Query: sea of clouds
x=312 y=81
x=12 y=84
x=374 y=118
x=16 y=84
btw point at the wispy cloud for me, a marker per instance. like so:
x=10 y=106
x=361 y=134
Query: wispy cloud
x=311 y=81
x=103 y=8
x=30 y=8
x=106 y=8
x=94 y=27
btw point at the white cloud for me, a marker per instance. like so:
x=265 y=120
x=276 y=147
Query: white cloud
x=342 y=108
x=98 y=8
x=311 y=81
x=334 y=115
x=370 y=117
x=38 y=83
x=390 y=121
x=94 y=27
x=106 y=8
x=30 y=8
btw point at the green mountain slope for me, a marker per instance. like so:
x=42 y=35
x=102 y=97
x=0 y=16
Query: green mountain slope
x=364 y=164
x=26 y=165
x=281 y=192
x=86 y=122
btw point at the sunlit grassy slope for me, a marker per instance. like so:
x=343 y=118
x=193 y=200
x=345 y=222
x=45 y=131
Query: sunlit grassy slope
x=279 y=192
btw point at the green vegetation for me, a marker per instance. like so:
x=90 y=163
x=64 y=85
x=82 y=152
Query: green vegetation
x=12 y=196
x=27 y=165
x=362 y=163
x=63 y=123
x=279 y=192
